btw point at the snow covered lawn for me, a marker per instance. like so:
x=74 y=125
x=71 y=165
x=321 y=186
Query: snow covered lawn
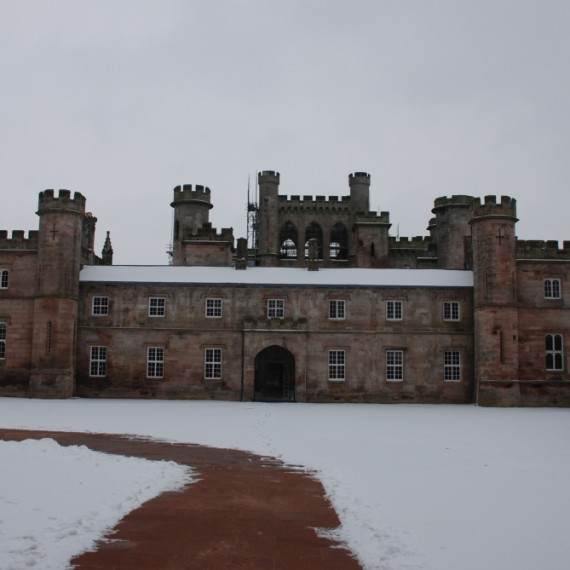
x=415 y=486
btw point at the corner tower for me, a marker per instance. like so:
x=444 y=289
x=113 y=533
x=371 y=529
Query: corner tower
x=495 y=300
x=57 y=290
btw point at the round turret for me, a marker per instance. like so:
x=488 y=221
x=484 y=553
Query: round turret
x=359 y=183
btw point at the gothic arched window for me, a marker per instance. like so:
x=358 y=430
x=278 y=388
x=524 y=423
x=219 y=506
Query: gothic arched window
x=288 y=241
x=314 y=231
x=339 y=242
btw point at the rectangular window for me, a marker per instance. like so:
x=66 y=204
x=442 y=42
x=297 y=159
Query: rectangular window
x=98 y=361
x=451 y=311
x=452 y=366
x=100 y=306
x=394 y=310
x=337 y=364
x=275 y=308
x=336 y=309
x=3 y=332
x=155 y=362
x=4 y=275
x=213 y=308
x=213 y=364
x=395 y=365
x=554 y=352
x=552 y=289
x=156 y=307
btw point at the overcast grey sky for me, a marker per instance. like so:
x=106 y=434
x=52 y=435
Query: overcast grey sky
x=122 y=100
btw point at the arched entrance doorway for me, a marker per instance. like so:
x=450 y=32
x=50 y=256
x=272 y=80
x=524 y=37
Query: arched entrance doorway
x=274 y=375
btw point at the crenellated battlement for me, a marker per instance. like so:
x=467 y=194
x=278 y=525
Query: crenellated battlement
x=187 y=193
x=63 y=202
x=454 y=201
x=208 y=233
x=18 y=240
x=268 y=177
x=416 y=242
x=359 y=178
x=541 y=249
x=490 y=208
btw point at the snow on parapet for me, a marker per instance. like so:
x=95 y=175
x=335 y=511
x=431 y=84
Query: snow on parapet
x=277 y=276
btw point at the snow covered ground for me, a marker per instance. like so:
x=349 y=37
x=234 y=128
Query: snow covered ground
x=415 y=486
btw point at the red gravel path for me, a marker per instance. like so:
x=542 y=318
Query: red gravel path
x=245 y=512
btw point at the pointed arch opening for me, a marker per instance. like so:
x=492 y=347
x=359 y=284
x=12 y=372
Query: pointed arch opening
x=339 y=242
x=288 y=240
x=314 y=231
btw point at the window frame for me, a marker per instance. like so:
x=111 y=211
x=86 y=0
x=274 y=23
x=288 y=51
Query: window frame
x=98 y=361
x=337 y=365
x=337 y=309
x=275 y=308
x=213 y=308
x=452 y=365
x=392 y=307
x=98 y=307
x=156 y=306
x=4 y=278
x=155 y=362
x=449 y=313
x=553 y=288
x=3 y=339
x=212 y=363
x=394 y=366
x=553 y=354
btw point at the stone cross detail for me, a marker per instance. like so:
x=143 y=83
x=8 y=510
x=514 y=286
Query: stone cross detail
x=53 y=231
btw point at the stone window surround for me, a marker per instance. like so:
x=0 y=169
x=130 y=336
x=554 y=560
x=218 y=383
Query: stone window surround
x=452 y=365
x=337 y=365
x=213 y=308
x=394 y=310
x=155 y=362
x=554 y=348
x=552 y=289
x=156 y=306
x=4 y=278
x=337 y=309
x=275 y=308
x=98 y=361
x=394 y=365
x=451 y=311
x=212 y=363
x=99 y=306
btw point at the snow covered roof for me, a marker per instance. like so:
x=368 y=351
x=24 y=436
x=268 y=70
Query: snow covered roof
x=276 y=276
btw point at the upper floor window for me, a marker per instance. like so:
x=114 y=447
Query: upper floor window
x=275 y=308
x=336 y=309
x=552 y=289
x=4 y=278
x=394 y=310
x=155 y=362
x=213 y=364
x=100 y=306
x=3 y=331
x=213 y=308
x=337 y=363
x=451 y=311
x=156 y=307
x=554 y=352
x=98 y=361
x=452 y=365
x=288 y=239
x=395 y=365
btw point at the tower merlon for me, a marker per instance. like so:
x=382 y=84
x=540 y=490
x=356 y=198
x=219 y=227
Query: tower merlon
x=188 y=194
x=268 y=177
x=490 y=208
x=454 y=201
x=62 y=203
x=359 y=178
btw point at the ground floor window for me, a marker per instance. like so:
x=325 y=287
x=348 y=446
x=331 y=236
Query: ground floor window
x=155 y=362
x=98 y=361
x=337 y=365
x=452 y=366
x=213 y=364
x=554 y=352
x=395 y=365
x=3 y=332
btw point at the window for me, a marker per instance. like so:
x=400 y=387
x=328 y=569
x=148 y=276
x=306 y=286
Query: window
x=155 y=362
x=213 y=364
x=451 y=311
x=336 y=309
x=288 y=240
x=554 y=352
x=3 y=330
x=337 y=365
x=275 y=308
x=156 y=307
x=100 y=306
x=452 y=366
x=394 y=310
x=395 y=365
x=338 y=242
x=98 y=362
x=213 y=308
x=552 y=289
x=4 y=274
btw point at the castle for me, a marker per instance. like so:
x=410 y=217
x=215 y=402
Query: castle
x=318 y=304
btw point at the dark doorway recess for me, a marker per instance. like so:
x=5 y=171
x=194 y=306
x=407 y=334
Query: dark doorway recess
x=274 y=375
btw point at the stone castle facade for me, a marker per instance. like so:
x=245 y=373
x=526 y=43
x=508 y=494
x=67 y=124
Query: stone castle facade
x=320 y=304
